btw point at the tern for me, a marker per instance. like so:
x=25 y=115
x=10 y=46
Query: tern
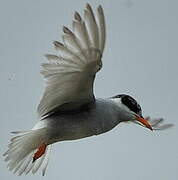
x=68 y=109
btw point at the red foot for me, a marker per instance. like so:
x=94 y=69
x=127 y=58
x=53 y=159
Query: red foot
x=40 y=152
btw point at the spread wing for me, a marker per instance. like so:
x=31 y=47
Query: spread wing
x=70 y=74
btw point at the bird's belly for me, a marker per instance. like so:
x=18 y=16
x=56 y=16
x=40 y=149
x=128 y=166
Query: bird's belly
x=67 y=136
x=95 y=120
x=72 y=128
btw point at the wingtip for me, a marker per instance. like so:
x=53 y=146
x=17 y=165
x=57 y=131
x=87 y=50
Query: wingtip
x=88 y=6
x=77 y=16
x=58 y=44
x=66 y=30
x=100 y=9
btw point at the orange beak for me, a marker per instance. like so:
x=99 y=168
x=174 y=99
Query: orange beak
x=144 y=122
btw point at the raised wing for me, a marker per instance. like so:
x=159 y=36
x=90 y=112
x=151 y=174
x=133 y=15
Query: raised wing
x=70 y=74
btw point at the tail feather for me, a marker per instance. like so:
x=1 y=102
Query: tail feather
x=19 y=168
x=38 y=164
x=21 y=150
x=46 y=160
x=43 y=160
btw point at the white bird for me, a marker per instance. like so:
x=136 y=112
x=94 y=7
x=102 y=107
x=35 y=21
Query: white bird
x=68 y=109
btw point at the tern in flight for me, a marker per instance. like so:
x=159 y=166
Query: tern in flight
x=68 y=109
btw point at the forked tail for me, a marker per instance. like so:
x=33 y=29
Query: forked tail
x=27 y=152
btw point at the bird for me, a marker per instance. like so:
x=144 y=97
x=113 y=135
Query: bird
x=68 y=109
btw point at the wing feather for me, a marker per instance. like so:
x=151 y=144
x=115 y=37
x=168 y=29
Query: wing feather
x=70 y=74
x=101 y=28
x=92 y=28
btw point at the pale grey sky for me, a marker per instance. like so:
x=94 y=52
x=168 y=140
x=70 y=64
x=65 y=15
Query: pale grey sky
x=140 y=59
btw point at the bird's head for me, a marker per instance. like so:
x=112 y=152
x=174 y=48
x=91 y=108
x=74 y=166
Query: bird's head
x=131 y=110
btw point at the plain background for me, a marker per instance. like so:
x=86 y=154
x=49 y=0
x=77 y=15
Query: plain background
x=140 y=59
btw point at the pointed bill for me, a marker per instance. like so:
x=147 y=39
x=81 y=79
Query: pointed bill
x=143 y=122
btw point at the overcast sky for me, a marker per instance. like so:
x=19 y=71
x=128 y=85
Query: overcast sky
x=140 y=58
